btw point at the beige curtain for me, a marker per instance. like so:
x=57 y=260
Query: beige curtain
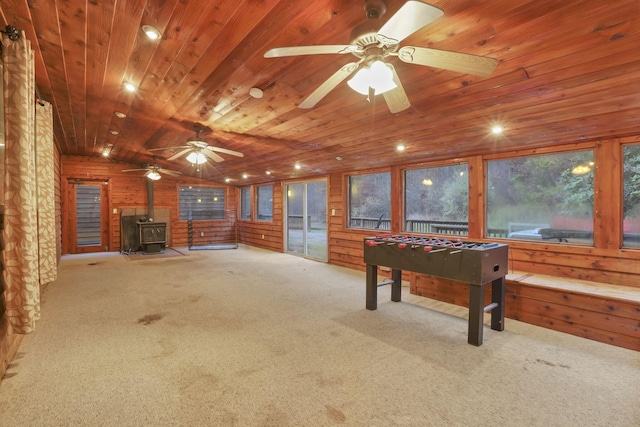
x=20 y=231
x=45 y=192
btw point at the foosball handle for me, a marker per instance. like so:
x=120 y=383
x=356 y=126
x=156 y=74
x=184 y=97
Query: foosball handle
x=427 y=248
x=402 y=245
x=372 y=243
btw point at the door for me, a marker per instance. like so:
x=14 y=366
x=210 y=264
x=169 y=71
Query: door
x=306 y=219
x=88 y=216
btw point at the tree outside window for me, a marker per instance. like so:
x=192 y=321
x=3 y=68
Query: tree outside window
x=546 y=197
x=437 y=200
x=631 y=216
x=245 y=203
x=370 y=201
x=264 y=203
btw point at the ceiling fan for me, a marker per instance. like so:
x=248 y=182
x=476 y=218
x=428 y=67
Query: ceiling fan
x=371 y=45
x=153 y=171
x=198 y=150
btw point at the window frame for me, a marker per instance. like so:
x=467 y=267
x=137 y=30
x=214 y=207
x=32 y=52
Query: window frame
x=435 y=165
x=624 y=243
x=224 y=202
x=545 y=151
x=242 y=201
x=347 y=199
x=257 y=202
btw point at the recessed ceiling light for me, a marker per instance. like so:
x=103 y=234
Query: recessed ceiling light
x=256 y=92
x=497 y=129
x=245 y=176
x=105 y=153
x=268 y=172
x=400 y=147
x=151 y=32
x=297 y=166
x=130 y=87
x=114 y=132
x=120 y=115
x=227 y=180
x=338 y=158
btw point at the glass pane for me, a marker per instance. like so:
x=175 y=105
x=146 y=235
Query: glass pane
x=547 y=197
x=88 y=229
x=264 y=203
x=370 y=201
x=200 y=203
x=316 y=236
x=631 y=223
x=245 y=203
x=437 y=200
x=295 y=223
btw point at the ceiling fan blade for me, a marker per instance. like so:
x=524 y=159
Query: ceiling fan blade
x=412 y=16
x=326 y=87
x=396 y=99
x=453 y=61
x=169 y=148
x=133 y=170
x=180 y=153
x=169 y=172
x=224 y=150
x=213 y=156
x=309 y=50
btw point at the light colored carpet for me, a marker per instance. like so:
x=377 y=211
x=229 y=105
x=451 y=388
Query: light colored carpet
x=247 y=337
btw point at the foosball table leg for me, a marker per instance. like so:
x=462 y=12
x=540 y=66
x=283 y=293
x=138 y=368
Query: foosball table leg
x=498 y=297
x=396 y=286
x=372 y=287
x=476 y=314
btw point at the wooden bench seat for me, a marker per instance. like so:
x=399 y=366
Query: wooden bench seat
x=593 y=310
x=599 y=311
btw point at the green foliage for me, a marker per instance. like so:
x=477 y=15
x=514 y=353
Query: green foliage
x=632 y=181
x=437 y=194
x=370 y=195
x=536 y=189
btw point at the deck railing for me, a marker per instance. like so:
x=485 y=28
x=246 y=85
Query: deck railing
x=425 y=226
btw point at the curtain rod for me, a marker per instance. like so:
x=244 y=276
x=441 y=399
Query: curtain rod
x=13 y=34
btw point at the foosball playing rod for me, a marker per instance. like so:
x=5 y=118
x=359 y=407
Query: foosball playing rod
x=490 y=306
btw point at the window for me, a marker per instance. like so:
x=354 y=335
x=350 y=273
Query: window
x=370 y=201
x=631 y=222
x=436 y=200
x=201 y=203
x=245 y=203
x=546 y=197
x=264 y=203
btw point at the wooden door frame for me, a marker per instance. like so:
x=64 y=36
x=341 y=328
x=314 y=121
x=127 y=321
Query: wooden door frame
x=68 y=208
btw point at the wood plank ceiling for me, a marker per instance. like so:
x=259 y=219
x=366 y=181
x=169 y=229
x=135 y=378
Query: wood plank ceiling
x=568 y=71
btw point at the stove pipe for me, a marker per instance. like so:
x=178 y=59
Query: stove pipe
x=150 y=212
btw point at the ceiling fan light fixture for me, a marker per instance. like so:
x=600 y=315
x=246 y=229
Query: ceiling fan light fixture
x=360 y=82
x=381 y=77
x=196 y=157
x=153 y=175
x=378 y=76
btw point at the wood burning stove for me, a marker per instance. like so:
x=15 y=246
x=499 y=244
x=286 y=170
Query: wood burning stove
x=153 y=235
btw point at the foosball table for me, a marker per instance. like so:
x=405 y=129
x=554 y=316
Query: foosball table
x=475 y=263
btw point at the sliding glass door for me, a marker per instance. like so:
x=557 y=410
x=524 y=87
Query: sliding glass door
x=306 y=219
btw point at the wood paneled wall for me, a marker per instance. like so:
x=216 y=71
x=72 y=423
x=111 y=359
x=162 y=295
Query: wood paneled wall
x=129 y=190
x=605 y=262
x=265 y=234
